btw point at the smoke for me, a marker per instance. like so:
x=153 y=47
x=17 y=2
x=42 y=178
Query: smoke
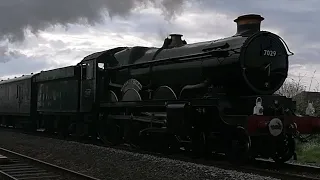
x=6 y=54
x=162 y=34
x=18 y=15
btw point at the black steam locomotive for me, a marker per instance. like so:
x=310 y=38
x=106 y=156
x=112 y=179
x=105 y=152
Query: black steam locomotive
x=214 y=96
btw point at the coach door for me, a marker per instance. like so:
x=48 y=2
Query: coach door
x=87 y=86
x=19 y=97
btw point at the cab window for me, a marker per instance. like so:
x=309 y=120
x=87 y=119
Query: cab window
x=101 y=66
x=88 y=70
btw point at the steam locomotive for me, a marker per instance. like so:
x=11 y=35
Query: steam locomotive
x=214 y=96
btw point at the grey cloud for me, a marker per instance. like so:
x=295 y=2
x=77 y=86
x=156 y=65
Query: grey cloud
x=19 y=63
x=57 y=44
x=87 y=43
x=23 y=65
x=18 y=15
x=151 y=26
x=6 y=54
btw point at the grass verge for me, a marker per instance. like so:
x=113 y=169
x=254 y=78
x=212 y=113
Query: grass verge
x=309 y=152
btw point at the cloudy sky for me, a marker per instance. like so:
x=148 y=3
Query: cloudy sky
x=43 y=34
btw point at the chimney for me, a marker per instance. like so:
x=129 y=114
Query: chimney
x=248 y=24
x=176 y=41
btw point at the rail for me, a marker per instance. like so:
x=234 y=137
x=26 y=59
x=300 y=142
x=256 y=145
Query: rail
x=20 y=167
x=284 y=171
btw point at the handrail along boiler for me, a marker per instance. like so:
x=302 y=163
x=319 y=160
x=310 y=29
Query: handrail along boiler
x=213 y=96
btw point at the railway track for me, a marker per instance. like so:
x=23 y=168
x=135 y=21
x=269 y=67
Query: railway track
x=284 y=171
x=259 y=166
x=15 y=166
x=288 y=170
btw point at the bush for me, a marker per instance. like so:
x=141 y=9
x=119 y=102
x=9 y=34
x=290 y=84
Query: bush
x=309 y=152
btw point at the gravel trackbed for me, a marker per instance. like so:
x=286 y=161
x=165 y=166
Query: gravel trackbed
x=107 y=163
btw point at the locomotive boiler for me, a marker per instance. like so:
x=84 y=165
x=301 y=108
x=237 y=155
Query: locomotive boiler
x=251 y=62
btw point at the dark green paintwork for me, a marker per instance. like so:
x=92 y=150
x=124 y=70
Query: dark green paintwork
x=88 y=84
x=53 y=74
x=15 y=95
x=58 y=90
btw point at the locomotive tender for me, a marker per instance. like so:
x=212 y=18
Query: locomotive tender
x=198 y=97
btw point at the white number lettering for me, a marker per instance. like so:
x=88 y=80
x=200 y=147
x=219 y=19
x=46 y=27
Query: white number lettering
x=270 y=53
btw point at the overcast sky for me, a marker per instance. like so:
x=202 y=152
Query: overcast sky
x=43 y=34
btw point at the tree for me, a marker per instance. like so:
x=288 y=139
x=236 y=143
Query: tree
x=291 y=87
x=296 y=90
